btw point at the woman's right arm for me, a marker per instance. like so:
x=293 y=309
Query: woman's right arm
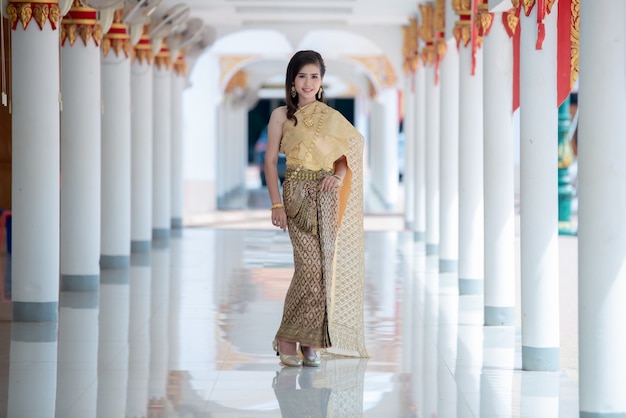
x=274 y=136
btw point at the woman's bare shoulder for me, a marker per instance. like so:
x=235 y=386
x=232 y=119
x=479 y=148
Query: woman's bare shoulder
x=279 y=115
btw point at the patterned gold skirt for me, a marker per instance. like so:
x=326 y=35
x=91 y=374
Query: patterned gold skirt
x=312 y=217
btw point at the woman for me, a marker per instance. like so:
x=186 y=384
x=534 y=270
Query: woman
x=323 y=210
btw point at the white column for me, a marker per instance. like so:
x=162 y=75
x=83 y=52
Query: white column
x=539 y=252
x=35 y=172
x=390 y=187
x=141 y=148
x=375 y=146
x=471 y=214
x=80 y=157
x=419 y=150
x=162 y=147
x=240 y=160
x=116 y=152
x=449 y=158
x=408 y=177
x=432 y=161
x=220 y=163
x=139 y=349
x=178 y=85
x=499 y=176
x=384 y=147
x=601 y=208
x=200 y=100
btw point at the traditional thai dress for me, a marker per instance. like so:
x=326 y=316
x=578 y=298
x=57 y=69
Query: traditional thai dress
x=324 y=302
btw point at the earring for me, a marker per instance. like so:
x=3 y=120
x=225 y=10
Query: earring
x=293 y=91
x=319 y=93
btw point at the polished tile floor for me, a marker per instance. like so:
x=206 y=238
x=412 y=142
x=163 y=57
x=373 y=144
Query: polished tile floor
x=187 y=331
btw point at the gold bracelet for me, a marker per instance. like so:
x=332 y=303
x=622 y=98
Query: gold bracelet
x=277 y=205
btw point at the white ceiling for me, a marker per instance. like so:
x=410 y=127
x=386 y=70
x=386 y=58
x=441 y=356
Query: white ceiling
x=309 y=13
x=333 y=27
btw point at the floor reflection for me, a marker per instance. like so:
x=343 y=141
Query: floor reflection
x=186 y=331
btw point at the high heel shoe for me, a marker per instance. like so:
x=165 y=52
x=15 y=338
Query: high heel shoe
x=310 y=361
x=287 y=360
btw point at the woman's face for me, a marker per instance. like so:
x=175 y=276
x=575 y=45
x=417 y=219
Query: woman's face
x=308 y=81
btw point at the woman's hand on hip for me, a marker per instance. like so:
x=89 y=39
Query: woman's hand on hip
x=330 y=183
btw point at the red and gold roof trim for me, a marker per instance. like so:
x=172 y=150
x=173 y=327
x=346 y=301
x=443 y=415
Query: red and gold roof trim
x=427 y=33
x=483 y=19
x=180 y=65
x=143 y=50
x=42 y=11
x=163 y=58
x=410 y=49
x=81 y=22
x=439 y=26
x=117 y=39
x=463 y=27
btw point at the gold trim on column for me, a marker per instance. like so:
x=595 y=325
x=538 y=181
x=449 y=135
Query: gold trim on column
x=81 y=22
x=163 y=58
x=427 y=33
x=575 y=37
x=180 y=66
x=463 y=27
x=439 y=26
x=117 y=38
x=42 y=11
x=483 y=18
x=143 y=50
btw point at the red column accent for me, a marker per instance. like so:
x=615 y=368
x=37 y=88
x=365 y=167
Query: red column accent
x=564 y=51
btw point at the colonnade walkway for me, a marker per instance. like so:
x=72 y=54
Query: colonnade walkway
x=189 y=335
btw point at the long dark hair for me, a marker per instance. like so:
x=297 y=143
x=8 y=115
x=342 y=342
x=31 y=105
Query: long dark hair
x=299 y=60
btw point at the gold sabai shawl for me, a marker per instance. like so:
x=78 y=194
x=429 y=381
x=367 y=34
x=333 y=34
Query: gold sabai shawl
x=322 y=136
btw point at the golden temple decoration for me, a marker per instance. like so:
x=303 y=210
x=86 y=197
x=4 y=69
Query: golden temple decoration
x=510 y=20
x=238 y=80
x=483 y=18
x=143 y=50
x=117 y=38
x=163 y=59
x=440 y=29
x=231 y=63
x=81 y=22
x=544 y=7
x=427 y=33
x=24 y=12
x=463 y=27
x=379 y=66
x=575 y=37
x=180 y=66
x=410 y=46
x=406 y=50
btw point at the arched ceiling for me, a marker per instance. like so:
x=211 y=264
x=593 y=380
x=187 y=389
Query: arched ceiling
x=361 y=40
x=309 y=14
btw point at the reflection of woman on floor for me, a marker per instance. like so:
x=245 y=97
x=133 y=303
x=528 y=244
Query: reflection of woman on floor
x=307 y=402
x=323 y=210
